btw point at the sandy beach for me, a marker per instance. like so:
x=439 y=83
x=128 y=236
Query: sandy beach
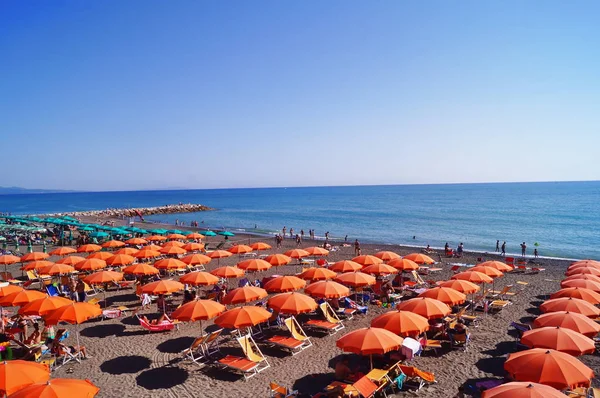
x=128 y=361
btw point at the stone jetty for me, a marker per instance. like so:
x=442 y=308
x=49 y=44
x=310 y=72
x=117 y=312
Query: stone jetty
x=136 y=212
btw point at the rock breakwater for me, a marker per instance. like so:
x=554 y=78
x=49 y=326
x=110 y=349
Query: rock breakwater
x=137 y=212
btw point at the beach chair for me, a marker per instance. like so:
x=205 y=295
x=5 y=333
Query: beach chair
x=212 y=343
x=351 y=304
x=420 y=282
x=152 y=328
x=278 y=391
x=460 y=341
x=416 y=378
x=251 y=364
x=298 y=341
x=502 y=294
x=90 y=291
x=497 y=305
x=52 y=290
x=332 y=324
x=430 y=345
x=195 y=352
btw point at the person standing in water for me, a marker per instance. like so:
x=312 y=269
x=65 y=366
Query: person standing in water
x=503 y=249
x=523 y=249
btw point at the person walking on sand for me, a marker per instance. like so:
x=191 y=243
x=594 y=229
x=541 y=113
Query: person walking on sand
x=283 y=230
x=523 y=249
x=497 y=246
x=356 y=248
x=503 y=249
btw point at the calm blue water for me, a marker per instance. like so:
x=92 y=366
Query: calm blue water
x=563 y=218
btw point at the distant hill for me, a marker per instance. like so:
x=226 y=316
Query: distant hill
x=19 y=190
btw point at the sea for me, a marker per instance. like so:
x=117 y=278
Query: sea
x=560 y=219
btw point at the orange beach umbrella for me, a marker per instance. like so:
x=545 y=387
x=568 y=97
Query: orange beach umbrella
x=582 y=293
x=572 y=305
x=254 y=265
x=419 y=258
x=194 y=235
x=570 y=320
x=425 y=306
x=156 y=238
x=141 y=269
x=219 y=254
x=297 y=253
x=102 y=277
x=18 y=374
x=57 y=269
x=317 y=251
x=278 y=259
x=175 y=236
x=473 y=276
x=173 y=250
x=445 y=295
x=379 y=269
x=387 y=255
x=101 y=255
x=147 y=253
x=585 y=263
x=317 y=274
x=244 y=295
x=111 y=244
x=559 y=339
x=198 y=310
x=193 y=247
x=6 y=290
x=170 y=263
x=241 y=317
x=292 y=303
x=7 y=259
x=282 y=284
x=521 y=389
x=260 y=246
x=59 y=388
x=136 y=241
x=402 y=323
x=583 y=270
x=550 y=367
x=585 y=277
x=62 y=251
x=172 y=243
x=43 y=305
x=199 y=278
x=70 y=260
x=89 y=248
x=227 y=272
x=368 y=341
x=90 y=264
x=585 y=283
x=74 y=313
x=129 y=251
x=327 y=289
x=345 y=266
x=499 y=265
x=196 y=259
x=356 y=279
x=404 y=264
x=461 y=285
x=489 y=271
x=239 y=249
x=162 y=287
x=36 y=265
x=367 y=259
x=33 y=256
x=22 y=297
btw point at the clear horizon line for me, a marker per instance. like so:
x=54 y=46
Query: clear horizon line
x=287 y=187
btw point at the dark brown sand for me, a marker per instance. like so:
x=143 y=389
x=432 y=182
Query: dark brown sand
x=127 y=361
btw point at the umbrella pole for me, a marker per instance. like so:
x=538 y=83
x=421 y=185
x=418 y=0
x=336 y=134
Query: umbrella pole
x=371 y=357
x=78 y=344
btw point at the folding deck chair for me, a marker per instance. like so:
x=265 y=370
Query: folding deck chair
x=332 y=324
x=416 y=378
x=212 y=343
x=278 y=391
x=298 y=341
x=161 y=327
x=195 y=352
x=251 y=364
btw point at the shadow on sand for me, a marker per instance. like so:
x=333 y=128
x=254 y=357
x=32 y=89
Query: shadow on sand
x=102 y=331
x=163 y=377
x=176 y=345
x=125 y=364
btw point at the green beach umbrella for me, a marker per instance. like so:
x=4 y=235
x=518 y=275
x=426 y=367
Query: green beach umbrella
x=208 y=233
x=226 y=233
x=159 y=231
x=174 y=231
x=99 y=234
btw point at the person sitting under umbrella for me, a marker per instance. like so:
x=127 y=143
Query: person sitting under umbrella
x=343 y=371
x=58 y=348
x=457 y=330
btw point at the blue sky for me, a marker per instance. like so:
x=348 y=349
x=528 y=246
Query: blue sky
x=113 y=95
